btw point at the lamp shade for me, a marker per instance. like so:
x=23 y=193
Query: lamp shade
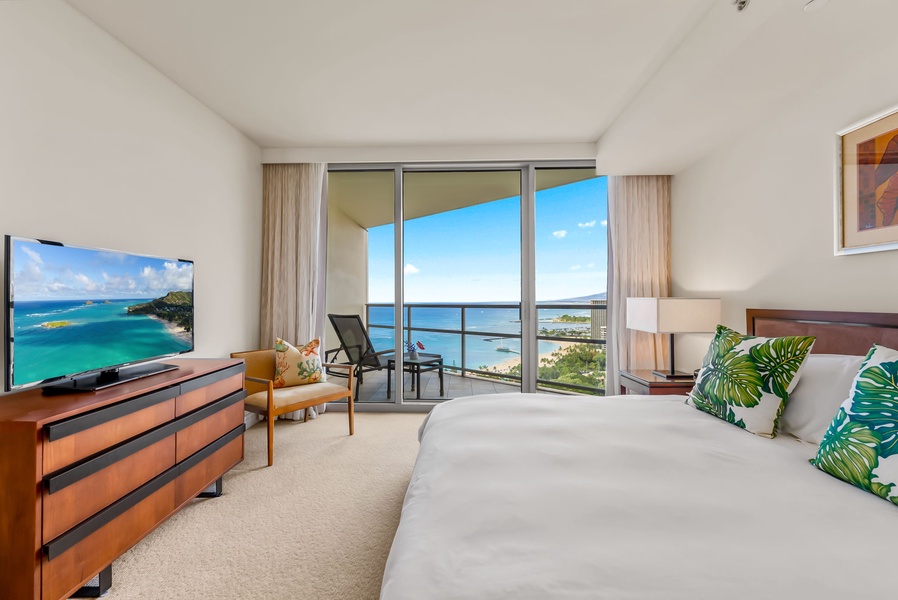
x=673 y=315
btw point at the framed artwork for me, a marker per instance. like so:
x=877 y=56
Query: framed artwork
x=867 y=185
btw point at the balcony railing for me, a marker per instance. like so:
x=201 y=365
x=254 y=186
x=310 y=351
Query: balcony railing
x=473 y=336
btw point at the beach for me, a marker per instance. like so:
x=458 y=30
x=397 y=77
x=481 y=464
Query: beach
x=176 y=330
x=506 y=365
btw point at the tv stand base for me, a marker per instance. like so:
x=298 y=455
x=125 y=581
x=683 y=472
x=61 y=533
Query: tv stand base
x=105 y=379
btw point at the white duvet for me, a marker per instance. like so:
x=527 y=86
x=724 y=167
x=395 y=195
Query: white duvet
x=525 y=496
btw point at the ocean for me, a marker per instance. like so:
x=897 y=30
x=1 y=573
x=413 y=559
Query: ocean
x=481 y=323
x=99 y=335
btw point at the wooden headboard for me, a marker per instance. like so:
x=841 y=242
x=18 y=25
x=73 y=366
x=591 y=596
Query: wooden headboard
x=836 y=332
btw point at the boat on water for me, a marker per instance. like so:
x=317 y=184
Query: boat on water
x=506 y=349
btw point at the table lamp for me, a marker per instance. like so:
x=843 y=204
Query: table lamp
x=673 y=315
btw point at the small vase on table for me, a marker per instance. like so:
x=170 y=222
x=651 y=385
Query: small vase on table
x=413 y=349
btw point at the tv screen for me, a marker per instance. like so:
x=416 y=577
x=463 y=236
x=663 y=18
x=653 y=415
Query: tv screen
x=72 y=310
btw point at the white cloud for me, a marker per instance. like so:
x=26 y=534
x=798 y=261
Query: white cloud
x=85 y=282
x=172 y=277
x=575 y=267
x=587 y=224
x=118 y=283
x=32 y=255
x=605 y=223
x=559 y=234
x=590 y=265
x=411 y=269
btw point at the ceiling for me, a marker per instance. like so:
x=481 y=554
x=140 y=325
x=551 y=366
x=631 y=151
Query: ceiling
x=366 y=197
x=657 y=84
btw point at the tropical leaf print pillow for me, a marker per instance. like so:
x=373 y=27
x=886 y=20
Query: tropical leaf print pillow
x=297 y=366
x=861 y=444
x=746 y=380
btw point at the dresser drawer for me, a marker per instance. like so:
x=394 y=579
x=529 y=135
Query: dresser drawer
x=204 y=426
x=204 y=467
x=71 y=440
x=73 y=495
x=71 y=560
x=208 y=388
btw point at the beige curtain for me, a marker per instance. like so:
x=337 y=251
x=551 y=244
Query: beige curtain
x=294 y=196
x=639 y=266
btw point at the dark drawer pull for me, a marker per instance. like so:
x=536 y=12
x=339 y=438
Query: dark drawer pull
x=75 y=535
x=210 y=409
x=57 y=431
x=105 y=516
x=62 y=479
x=201 y=455
x=195 y=384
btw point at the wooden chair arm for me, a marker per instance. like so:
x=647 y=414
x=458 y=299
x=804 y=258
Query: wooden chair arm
x=257 y=379
x=349 y=368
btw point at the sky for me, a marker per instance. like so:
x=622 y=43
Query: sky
x=46 y=272
x=473 y=254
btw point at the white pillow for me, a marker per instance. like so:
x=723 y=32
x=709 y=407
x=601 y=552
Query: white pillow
x=825 y=384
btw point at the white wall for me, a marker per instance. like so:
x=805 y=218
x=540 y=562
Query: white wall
x=753 y=222
x=97 y=148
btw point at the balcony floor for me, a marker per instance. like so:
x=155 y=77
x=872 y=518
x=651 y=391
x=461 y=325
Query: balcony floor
x=374 y=388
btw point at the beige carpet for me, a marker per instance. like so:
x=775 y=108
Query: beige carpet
x=316 y=525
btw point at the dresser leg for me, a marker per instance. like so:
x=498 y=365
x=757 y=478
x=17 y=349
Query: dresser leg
x=214 y=490
x=103 y=583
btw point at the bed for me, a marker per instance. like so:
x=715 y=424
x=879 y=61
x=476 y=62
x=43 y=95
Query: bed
x=526 y=496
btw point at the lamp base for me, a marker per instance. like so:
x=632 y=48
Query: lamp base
x=674 y=375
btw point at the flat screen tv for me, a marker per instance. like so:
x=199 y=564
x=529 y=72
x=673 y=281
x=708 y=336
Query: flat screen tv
x=85 y=318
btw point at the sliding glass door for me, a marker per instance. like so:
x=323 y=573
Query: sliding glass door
x=571 y=245
x=360 y=258
x=480 y=279
x=461 y=268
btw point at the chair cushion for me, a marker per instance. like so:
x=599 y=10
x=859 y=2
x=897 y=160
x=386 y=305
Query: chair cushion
x=294 y=395
x=297 y=366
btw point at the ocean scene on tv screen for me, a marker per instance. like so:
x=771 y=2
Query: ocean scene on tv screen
x=79 y=309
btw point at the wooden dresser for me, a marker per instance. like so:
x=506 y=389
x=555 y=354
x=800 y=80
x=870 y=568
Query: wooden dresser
x=83 y=477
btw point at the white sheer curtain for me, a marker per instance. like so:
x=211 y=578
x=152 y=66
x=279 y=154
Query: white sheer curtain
x=293 y=256
x=639 y=265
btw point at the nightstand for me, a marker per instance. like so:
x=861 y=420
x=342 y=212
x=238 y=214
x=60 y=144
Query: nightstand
x=644 y=382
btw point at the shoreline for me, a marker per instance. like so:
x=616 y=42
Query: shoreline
x=176 y=330
x=506 y=365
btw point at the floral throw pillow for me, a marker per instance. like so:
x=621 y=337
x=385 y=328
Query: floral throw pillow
x=861 y=444
x=297 y=366
x=746 y=380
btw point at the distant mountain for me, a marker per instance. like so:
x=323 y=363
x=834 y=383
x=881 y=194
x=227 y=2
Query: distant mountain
x=602 y=296
x=174 y=307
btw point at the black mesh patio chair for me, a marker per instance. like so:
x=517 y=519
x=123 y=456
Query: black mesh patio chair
x=356 y=347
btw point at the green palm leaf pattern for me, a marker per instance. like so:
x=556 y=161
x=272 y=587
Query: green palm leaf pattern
x=875 y=403
x=725 y=340
x=849 y=450
x=707 y=404
x=884 y=490
x=732 y=376
x=716 y=407
x=778 y=361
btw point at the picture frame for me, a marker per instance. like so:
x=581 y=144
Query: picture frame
x=866 y=185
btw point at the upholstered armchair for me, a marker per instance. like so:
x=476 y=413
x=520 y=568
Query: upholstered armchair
x=266 y=400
